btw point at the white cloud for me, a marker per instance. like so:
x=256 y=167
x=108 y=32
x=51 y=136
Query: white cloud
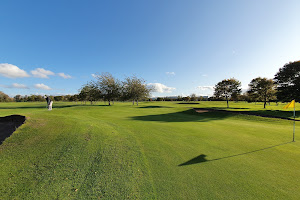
x=205 y=87
x=41 y=73
x=170 y=73
x=161 y=88
x=12 y=71
x=20 y=86
x=204 y=75
x=41 y=86
x=15 y=85
x=65 y=76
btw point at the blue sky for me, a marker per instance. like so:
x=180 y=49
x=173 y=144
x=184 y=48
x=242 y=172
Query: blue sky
x=180 y=47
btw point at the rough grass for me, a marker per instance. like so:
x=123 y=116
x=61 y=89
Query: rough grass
x=160 y=150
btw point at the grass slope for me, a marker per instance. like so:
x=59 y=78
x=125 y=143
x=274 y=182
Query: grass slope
x=160 y=150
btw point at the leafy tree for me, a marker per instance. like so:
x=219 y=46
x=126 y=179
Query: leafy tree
x=193 y=97
x=227 y=88
x=4 y=97
x=89 y=92
x=109 y=87
x=288 y=82
x=262 y=89
x=187 y=99
x=67 y=97
x=74 y=97
x=58 y=98
x=135 y=89
x=18 y=98
x=39 y=98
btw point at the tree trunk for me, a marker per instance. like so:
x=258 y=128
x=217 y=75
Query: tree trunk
x=265 y=102
x=137 y=102
x=133 y=102
x=109 y=102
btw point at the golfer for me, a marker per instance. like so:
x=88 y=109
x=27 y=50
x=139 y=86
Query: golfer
x=49 y=102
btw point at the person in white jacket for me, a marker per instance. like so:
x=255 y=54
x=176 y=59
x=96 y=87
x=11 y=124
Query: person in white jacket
x=49 y=102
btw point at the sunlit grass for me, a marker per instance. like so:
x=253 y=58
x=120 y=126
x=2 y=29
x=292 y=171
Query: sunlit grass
x=159 y=150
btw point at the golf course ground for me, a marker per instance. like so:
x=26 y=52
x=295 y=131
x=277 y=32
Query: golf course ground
x=157 y=150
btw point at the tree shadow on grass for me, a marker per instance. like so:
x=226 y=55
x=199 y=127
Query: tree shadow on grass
x=201 y=158
x=279 y=114
x=184 y=116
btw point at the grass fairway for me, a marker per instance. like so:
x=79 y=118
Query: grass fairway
x=160 y=150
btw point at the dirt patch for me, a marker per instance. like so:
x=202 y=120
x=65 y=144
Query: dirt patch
x=9 y=124
x=201 y=110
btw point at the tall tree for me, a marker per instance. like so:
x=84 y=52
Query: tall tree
x=227 y=88
x=262 y=88
x=89 y=92
x=109 y=86
x=288 y=82
x=135 y=89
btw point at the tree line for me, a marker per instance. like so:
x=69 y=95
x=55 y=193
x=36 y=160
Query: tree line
x=36 y=98
x=284 y=87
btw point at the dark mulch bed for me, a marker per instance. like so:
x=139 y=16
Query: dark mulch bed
x=9 y=124
x=201 y=110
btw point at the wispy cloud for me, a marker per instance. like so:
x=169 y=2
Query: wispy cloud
x=12 y=71
x=161 y=88
x=204 y=75
x=205 y=87
x=170 y=73
x=41 y=73
x=42 y=86
x=63 y=75
x=15 y=85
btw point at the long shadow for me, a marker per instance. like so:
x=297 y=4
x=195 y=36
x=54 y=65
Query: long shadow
x=9 y=124
x=201 y=158
x=184 y=116
x=279 y=114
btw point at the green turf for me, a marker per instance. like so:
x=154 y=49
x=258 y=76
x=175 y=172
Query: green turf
x=159 y=150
